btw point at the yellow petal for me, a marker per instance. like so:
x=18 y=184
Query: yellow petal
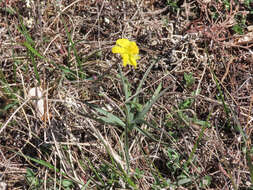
x=128 y=50
x=123 y=42
x=133 y=48
x=118 y=49
x=133 y=62
x=137 y=57
x=125 y=58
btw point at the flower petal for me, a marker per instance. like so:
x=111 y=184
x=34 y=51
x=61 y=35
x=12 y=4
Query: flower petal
x=128 y=50
x=125 y=58
x=133 y=61
x=118 y=49
x=123 y=42
x=133 y=48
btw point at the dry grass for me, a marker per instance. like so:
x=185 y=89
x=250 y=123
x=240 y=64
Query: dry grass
x=203 y=123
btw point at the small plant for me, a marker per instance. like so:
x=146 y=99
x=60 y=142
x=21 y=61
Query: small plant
x=189 y=80
x=32 y=179
x=205 y=182
x=240 y=25
x=173 y=5
x=237 y=29
x=226 y=4
x=36 y=183
x=133 y=112
x=248 y=4
x=174 y=160
x=138 y=173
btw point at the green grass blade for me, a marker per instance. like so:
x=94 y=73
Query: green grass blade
x=32 y=50
x=130 y=182
x=126 y=147
x=86 y=185
x=24 y=31
x=201 y=134
x=6 y=89
x=249 y=163
x=4 y=84
x=221 y=96
x=29 y=43
x=78 y=59
x=95 y=171
x=44 y=163
x=35 y=67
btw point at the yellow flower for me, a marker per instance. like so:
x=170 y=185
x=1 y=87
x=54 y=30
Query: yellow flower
x=128 y=50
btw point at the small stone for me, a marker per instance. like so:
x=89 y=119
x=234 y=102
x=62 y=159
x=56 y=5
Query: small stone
x=107 y=20
x=35 y=92
x=154 y=43
x=3 y=185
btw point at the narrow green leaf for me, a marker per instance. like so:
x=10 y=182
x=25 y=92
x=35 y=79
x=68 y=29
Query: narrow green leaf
x=44 y=163
x=6 y=88
x=35 y=67
x=110 y=118
x=31 y=178
x=35 y=52
x=249 y=163
x=126 y=146
x=184 y=181
x=145 y=133
x=142 y=121
x=86 y=185
x=148 y=105
x=124 y=83
x=24 y=31
x=67 y=183
x=143 y=79
x=93 y=168
x=73 y=46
